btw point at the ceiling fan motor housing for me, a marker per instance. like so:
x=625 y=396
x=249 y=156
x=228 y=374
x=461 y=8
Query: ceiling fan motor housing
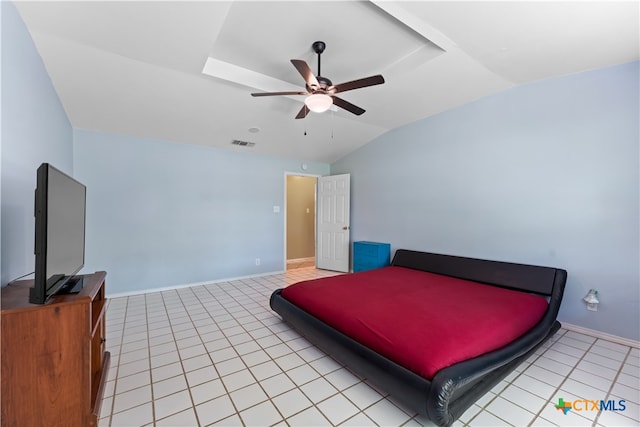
x=323 y=87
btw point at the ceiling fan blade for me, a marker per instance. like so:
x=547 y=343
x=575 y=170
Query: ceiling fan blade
x=303 y=112
x=357 y=84
x=278 y=93
x=305 y=72
x=347 y=106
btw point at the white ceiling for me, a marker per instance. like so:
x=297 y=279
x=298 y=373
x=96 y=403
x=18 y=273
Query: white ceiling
x=183 y=71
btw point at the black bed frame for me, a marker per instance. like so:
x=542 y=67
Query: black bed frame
x=455 y=388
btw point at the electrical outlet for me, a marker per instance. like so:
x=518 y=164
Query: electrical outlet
x=257 y=261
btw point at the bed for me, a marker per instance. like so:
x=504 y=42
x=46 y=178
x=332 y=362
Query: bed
x=434 y=331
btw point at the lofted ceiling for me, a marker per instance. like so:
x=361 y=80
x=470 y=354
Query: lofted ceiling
x=184 y=71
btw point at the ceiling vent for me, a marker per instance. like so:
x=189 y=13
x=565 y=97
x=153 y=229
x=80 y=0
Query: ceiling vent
x=243 y=143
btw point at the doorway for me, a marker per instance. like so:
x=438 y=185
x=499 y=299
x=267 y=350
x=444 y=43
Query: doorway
x=300 y=223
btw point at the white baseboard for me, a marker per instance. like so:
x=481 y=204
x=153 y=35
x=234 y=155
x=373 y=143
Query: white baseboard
x=603 y=335
x=188 y=285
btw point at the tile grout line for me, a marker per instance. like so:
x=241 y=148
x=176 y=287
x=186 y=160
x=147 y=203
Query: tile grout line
x=184 y=372
x=613 y=383
x=557 y=389
x=213 y=364
x=237 y=412
x=485 y=407
x=566 y=377
x=146 y=318
x=135 y=373
x=115 y=379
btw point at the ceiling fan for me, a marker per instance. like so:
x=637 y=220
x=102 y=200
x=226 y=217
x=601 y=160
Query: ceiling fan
x=320 y=91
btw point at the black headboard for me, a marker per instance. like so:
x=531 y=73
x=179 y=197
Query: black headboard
x=531 y=278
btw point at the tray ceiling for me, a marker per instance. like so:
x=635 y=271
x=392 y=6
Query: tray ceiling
x=184 y=71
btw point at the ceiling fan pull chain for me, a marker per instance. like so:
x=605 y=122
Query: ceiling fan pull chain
x=332 y=124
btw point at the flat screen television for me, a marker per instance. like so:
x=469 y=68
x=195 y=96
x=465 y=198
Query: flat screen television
x=60 y=204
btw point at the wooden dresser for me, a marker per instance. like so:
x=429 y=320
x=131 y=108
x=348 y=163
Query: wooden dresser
x=54 y=363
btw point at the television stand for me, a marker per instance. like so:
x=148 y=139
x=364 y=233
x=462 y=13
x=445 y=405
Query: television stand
x=53 y=356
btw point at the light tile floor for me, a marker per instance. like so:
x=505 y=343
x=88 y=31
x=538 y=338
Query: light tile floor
x=217 y=355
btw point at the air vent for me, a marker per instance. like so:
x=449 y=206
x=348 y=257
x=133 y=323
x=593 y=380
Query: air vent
x=243 y=143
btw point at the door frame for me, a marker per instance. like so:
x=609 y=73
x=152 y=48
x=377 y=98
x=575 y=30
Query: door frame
x=284 y=217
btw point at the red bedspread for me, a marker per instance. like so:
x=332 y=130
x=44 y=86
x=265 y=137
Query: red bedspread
x=422 y=321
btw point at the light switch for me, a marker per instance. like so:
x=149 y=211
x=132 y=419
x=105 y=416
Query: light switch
x=276 y=209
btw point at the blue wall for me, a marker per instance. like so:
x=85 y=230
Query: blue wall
x=545 y=173
x=35 y=129
x=162 y=214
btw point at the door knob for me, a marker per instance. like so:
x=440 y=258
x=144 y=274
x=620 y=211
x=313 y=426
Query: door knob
x=346 y=227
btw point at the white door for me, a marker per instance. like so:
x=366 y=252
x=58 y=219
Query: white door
x=332 y=251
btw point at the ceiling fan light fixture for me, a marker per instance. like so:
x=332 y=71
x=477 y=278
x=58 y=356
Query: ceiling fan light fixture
x=318 y=102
